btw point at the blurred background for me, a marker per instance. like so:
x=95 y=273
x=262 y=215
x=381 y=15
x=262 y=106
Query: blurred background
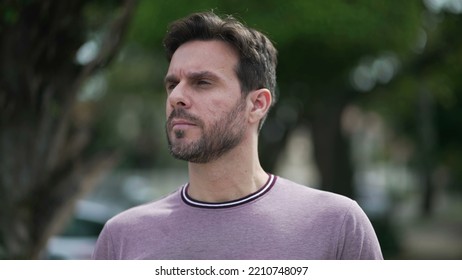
x=369 y=106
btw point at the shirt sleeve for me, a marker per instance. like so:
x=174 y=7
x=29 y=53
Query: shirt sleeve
x=357 y=238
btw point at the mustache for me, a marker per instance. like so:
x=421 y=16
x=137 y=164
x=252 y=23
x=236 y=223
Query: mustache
x=183 y=114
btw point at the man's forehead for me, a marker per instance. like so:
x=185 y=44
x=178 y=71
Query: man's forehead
x=198 y=54
x=215 y=59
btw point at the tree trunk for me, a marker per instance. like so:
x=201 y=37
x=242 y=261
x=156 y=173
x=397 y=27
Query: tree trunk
x=332 y=150
x=427 y=141
x=43 y=167
x=271 y=148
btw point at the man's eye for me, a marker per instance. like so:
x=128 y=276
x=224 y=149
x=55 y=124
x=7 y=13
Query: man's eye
x=203 y=82
x=171 y=86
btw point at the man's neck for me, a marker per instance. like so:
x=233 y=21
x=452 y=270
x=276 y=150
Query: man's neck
x=229 y=178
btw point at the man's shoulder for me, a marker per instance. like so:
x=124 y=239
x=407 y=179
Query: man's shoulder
x=312 y=196
x=325 y=205
x=154 y=209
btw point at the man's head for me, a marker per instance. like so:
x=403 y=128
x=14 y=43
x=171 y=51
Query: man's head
x=257 y=62
x=220 y=83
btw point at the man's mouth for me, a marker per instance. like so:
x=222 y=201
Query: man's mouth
x=181 y=124
x=180 y=120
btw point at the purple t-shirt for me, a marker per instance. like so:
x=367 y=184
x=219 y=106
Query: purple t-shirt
x=283 y=220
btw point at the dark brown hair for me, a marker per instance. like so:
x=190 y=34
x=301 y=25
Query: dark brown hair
x=256 y=68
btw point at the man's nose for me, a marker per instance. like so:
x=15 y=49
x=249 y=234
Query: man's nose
x=179 y=97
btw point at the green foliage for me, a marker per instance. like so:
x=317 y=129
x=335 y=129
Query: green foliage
x=435 y=71
x=10 y=16
x=343 y=25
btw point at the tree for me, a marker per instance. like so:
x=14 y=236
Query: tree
x=44 y=132
x=423 y=102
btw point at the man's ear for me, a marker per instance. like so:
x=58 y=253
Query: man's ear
x=261 y=102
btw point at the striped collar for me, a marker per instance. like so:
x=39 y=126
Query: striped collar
x=196 y=203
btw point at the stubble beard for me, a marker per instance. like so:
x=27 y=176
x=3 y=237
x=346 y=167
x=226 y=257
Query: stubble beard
x=215 y=141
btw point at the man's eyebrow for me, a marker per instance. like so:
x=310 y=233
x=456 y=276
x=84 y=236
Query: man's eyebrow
x=192 y=76
x=202 y=74
x=170 y=79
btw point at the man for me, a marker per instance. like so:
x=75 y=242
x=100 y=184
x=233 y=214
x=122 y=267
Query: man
x=220 y=85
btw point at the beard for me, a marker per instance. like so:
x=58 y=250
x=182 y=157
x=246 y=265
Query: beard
x=216 y=140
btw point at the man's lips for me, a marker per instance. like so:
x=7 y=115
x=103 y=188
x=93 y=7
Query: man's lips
x=181 y=123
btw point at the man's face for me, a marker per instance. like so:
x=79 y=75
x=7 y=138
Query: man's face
x=205 y=109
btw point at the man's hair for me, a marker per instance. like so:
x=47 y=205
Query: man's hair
x=256 y=67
